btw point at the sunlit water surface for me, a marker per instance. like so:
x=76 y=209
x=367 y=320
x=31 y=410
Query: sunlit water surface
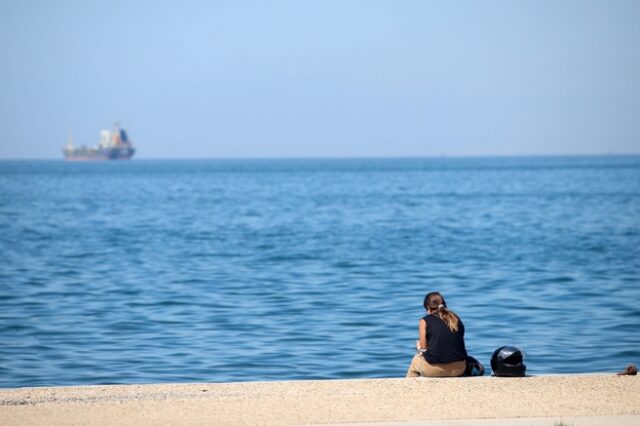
x=215 y=271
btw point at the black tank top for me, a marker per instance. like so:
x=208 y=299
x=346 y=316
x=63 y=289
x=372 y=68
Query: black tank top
x=444 y=346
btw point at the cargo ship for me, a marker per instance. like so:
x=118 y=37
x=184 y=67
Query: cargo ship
x=114 y=145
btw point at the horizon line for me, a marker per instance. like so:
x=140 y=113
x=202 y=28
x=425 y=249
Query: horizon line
x=348 y=157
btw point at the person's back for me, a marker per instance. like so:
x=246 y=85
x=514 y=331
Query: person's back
x=444 y=345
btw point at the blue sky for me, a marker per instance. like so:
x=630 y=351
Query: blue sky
x=322 y=78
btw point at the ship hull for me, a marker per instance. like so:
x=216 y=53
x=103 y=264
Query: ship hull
x=99 y=155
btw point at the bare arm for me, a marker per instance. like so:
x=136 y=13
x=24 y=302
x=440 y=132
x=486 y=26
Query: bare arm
x=421 y=344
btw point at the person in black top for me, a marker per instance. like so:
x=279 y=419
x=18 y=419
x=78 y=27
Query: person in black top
x=441 y=349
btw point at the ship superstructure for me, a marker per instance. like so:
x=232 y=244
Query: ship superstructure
x=114 y=145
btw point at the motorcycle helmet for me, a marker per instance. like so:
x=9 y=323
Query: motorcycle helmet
x=508 y=361
x=474 y=367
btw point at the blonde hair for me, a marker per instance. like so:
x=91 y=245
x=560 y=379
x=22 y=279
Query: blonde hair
x=435 y=302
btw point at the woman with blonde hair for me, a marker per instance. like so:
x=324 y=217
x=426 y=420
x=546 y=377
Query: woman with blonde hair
x=441 y=349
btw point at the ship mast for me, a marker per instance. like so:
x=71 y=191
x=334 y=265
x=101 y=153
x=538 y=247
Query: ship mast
x=116 y=133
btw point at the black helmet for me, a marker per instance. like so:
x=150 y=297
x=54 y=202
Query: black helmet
x=508 y=361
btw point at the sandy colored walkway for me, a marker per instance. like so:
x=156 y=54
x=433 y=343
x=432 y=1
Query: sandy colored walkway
x=410 y=401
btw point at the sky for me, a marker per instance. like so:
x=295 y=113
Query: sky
x=236 y=79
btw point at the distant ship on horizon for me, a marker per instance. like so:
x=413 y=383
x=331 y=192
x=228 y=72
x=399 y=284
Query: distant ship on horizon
x=114 y=145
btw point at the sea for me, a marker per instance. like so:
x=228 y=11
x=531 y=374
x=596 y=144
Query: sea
x=163 y=271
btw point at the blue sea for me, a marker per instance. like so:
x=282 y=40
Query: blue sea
x=257 y=270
